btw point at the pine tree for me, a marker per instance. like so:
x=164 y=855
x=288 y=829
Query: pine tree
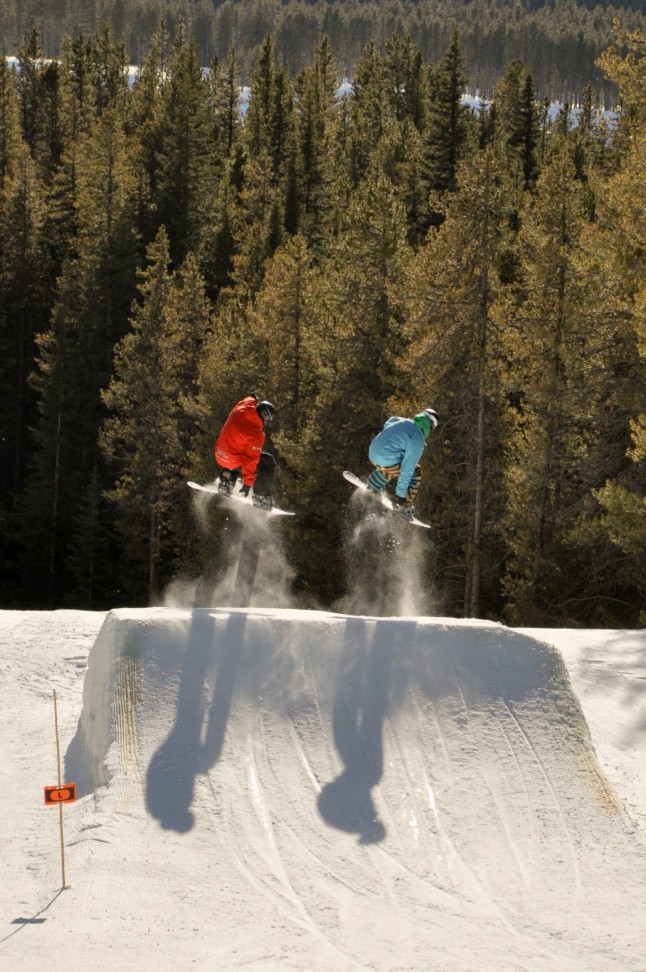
x=558 y=354
x=146 y=121
x=278 y=318
x=365 y=264
x=219 y=249
x=39 y=87
x=146 y=438
x=93 y=552
x=520 y=317
x=270 y=112
x=628 y=71
x=408 y=83
x=371 y=113
x=402 y=154
x=282 y=123
x=258 y=222
x=109 y=75
x=270 y=346
x=10 y=132
x=22 y=286
x=298 y=359
x=316 y=101
x=30 y=59
x=75 y=354
x=258 y=119
x=353 y=335
x=450 y=359
x=447 y=128
x=77 y=61
x=184 y=179
x=188 y=323
x=617 y=244
x=516 y=120
x=24 y=280
x=272 y=147
x=226 y=105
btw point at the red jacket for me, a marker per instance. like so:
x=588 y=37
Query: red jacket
x=241 y=440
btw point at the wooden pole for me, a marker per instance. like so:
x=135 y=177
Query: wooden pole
x=60 y=783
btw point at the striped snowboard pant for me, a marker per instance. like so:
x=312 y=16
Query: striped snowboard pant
x=382 y=475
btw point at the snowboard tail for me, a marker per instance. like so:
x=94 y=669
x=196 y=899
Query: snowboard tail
x=381 y=498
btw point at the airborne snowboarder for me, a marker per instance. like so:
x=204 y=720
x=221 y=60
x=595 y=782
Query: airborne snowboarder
x=238 y=451
x=395 y=453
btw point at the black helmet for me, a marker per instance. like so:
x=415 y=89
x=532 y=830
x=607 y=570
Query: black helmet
x=265 y=411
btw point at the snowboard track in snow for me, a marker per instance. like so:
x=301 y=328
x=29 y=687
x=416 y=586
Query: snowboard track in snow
x=358 y=780
x=294 y=790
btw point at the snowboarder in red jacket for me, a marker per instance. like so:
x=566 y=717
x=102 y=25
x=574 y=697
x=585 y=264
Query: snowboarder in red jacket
x=238 y=450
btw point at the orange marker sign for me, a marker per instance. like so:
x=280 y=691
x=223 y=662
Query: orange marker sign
x=60 y=794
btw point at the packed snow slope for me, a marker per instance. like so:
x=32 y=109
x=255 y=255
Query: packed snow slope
x=300 y=790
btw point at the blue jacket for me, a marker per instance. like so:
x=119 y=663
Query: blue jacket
x=400 y=442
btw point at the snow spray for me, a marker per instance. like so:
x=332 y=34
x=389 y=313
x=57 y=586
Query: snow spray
x=249 y=565
x=385 y=564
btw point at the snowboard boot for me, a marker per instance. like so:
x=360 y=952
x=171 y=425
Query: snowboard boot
x=406 y=511
x=404 y=508
x=227 y=482
x=262 y=502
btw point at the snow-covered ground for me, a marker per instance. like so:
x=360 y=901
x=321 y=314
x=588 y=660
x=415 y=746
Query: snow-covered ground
x=270 y=789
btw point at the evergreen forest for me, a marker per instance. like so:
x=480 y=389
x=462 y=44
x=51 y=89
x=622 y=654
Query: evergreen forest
x=348 y=255
x=559 y=41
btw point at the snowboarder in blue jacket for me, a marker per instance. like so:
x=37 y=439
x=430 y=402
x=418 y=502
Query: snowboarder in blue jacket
x=395 y=452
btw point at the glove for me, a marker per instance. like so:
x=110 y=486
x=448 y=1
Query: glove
x=245 y=490
x=399 y=502
x=252 y=395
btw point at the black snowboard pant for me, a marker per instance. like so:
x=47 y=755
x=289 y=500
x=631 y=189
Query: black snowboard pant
x=264 y=481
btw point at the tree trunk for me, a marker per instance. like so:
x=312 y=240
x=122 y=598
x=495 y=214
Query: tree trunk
x=480 y=435
x=54 y=522
x=153 y=559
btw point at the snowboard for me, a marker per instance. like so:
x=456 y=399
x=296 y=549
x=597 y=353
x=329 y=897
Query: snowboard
x=212 y=488
x=383 y=499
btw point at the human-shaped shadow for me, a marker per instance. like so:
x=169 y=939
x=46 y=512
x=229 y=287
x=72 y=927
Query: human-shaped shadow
x=360 y=706
x=170 y=780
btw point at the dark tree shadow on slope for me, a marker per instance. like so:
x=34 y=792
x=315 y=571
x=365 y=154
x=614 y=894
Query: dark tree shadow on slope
x=190 y=750
x=619 y=669
x=360 y=707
